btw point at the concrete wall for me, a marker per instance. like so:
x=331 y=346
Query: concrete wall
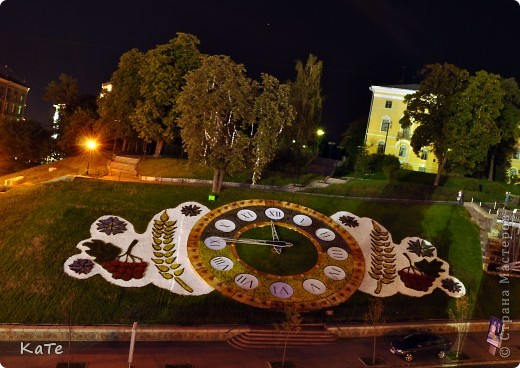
x=215 y=333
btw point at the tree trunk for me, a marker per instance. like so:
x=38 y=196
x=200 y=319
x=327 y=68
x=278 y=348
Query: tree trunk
x=124 y=145
x=214 y=186
x=114 y=146
x=221 y=180
x=158 y=148
x=491 y=172
x=374 y=348
x=285 y=347
x=218 y=179
x=439 y=171
x=136 y=148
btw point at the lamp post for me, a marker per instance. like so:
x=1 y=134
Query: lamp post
x=388 y=124
x=319 y=133
x=91 y=145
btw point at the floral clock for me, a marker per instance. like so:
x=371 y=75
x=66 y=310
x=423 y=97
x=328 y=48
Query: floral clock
x=214 y=252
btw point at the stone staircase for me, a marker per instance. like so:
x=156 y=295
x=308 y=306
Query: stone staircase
x=123 y=166
x=269 y=337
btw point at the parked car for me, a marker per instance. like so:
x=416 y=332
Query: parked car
x=420 y=343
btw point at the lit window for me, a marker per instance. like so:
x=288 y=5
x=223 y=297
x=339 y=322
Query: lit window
x=422 y=169
x=385 y=125
x=388 y=104
x=424 y=154
x=516 y=156
x=19 y=112
x=513 y=172
x=381 y=147
x=402 y=151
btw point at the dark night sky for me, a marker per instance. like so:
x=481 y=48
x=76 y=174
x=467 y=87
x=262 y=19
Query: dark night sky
x=361 y=42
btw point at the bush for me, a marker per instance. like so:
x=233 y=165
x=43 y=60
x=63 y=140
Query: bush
x=391 y=166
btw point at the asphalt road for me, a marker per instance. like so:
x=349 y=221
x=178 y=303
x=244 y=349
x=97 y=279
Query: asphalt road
x=344 y=353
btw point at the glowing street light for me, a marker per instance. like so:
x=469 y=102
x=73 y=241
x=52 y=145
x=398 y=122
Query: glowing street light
x=91 y=145
x=320 y=132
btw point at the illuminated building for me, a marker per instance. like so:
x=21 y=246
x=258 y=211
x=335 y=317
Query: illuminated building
x=13 y=95
x=384 y=133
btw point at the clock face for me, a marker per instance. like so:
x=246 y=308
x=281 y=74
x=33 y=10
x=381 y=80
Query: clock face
x=268 y=254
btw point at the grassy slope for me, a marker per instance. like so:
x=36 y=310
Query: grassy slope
x=42 y=224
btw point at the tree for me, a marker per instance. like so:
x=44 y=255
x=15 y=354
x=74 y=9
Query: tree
x=292 y=323
x=162 y=73
x=117 y=106
x=352 y=139
x=217 y=116
x=508 y=124
x=456 y=114
x=475 y=114
x=373 y=316
x=22 y=144
x=77 y=123
x=64 y=91
x=460 y=314
x=273 y=114
x=307 y=100
x=433 y=107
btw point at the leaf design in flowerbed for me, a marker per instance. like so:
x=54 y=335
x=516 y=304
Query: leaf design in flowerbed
x=101 y=251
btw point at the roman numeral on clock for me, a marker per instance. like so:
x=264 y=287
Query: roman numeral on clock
x=281 y=290
x=221 y=263
x=274 y=213
x=246 y=281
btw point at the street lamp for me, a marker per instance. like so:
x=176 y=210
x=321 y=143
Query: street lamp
x=90 y=145
x=319 y=133
x=387 y=125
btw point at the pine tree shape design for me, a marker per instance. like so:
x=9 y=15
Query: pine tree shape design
x=382 y=258
x=164 y=250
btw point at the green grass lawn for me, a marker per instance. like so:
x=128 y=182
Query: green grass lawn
x=299 y=258
x=42 y=224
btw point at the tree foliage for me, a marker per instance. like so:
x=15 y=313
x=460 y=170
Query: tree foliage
x=307 y=99
x=82 y=124
x=508 y=124
x=117 y=106
x=457 y=116
x=22 y=144
x=63 y=91
x=230 y=122
x=273 y=114
x=476 y=111
x=216 y=116
x=77 y=116
x=161 y=74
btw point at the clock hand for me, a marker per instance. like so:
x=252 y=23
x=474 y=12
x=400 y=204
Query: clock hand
x=273 y=243
x=273 y=231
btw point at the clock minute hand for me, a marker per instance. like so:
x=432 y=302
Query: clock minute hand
x=273 y=243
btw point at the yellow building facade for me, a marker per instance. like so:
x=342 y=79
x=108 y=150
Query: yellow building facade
x=514 y=170
x=384 y=133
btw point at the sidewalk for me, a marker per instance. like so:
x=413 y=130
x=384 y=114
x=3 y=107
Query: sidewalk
x=345 y=353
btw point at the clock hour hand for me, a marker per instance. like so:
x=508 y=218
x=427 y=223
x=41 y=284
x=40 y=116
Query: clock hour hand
x=272 y=243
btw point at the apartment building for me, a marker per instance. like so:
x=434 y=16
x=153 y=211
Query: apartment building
x=13 y=95
x=384 y=133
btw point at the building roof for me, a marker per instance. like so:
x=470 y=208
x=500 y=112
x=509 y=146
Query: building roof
x=412 y=87
x=9 y=74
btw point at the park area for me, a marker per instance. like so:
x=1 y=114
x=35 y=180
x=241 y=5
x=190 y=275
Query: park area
x=42 y=224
